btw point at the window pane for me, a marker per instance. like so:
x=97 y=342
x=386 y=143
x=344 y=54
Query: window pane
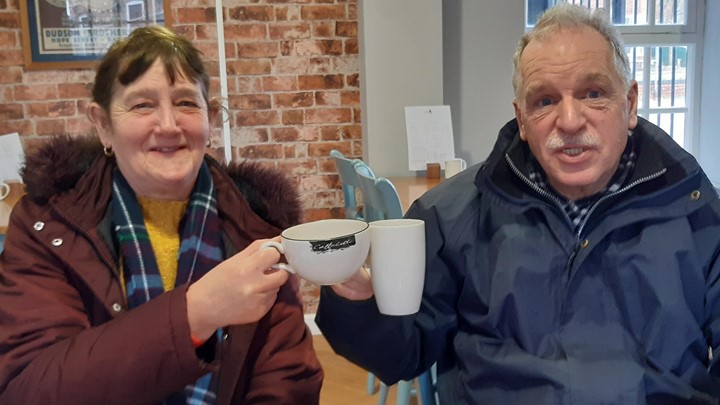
x=668 y=66
x=631 y=12
x=672 y=123
x=671 y=12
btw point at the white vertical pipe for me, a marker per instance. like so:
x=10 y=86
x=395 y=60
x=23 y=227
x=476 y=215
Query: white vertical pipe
x=223 y=80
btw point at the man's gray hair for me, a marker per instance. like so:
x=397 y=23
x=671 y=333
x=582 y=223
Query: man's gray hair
x=563 y=16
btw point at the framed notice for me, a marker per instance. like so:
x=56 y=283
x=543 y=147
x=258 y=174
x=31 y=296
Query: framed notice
x=62 y=34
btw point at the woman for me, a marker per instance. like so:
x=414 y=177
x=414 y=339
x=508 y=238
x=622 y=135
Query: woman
x=121 y=283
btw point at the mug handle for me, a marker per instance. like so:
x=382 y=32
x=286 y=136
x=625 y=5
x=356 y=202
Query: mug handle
x=280 y=248
x=5 y=190
x=463 y=164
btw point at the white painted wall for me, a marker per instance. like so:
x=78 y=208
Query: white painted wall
x=709 y=148
x=401 y=65
x=478 y=45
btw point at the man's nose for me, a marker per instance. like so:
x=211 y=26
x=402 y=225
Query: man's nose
x=571 y=117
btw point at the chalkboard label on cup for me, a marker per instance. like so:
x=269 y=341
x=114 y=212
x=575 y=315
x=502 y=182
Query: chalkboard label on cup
x=327 y=246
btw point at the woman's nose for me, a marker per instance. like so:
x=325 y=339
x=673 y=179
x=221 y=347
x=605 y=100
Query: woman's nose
x=570 y=118
x=168 y=119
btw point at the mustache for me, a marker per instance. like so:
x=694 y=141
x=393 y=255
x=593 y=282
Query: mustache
x=560 y=141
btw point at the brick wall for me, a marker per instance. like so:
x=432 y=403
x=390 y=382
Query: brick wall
x=293 y=91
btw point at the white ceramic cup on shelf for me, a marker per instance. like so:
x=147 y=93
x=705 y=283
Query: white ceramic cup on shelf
x=454 y=166
x=397 y=264
x=324 y=252
x=4 y=190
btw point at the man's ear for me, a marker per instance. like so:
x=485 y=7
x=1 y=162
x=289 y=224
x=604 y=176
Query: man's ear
x=101 y=120
x=632 y=98
x=518 y=117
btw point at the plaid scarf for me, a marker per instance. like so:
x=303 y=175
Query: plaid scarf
x=577 y=210
x=200 y=251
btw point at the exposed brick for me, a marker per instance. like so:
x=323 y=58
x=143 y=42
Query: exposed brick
x=353 y=80
x=350 y=98
x=303 y=99
x=316 y=214
x=50 y=127
x=35 y=92
x=351 y=47
x=80 y=125
x=8 y=39
x=246 y=136
x=249 y=67
x=328 y=115
x=250 y=102
x=245 y=32
x=325 y=98
x=324 y=12
x=10 y=74
x=52 y=110
x=12 y=111
x=11 y=57
x=293 y=117
x=311 y=47
x=251 y=118
x=22 y=127
x=346 y=29
x=295 y=134
x=340 y=132
x=322 y=149
x=74 y=90
x=323 y=29
x=251 y=13
x=297 y=168
x=258 y=50
x=294 y=30
x=249 y=84
x=190 y=15
x=265 y=151
x=9 y=19
x=320 y=82
x=280 y=83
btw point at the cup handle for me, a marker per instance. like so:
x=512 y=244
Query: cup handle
x=4 y=190
x=279 y=247
x=463 y=164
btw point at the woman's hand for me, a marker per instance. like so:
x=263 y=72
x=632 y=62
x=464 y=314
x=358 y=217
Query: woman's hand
x=240 y=290
x=358 y=287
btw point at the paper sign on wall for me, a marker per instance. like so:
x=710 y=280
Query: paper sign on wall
x=429 y=135
x=11 y=157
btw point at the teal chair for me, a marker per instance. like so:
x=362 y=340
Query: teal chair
x=383 y=202
x=348 y=169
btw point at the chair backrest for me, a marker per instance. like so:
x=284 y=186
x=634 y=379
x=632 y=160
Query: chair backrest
x=348 y=169
x=381 y=198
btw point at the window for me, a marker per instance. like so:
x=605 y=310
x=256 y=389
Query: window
x=135 y=10
x=663 y=39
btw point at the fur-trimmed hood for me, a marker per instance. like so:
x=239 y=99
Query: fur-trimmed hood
x=56 y=165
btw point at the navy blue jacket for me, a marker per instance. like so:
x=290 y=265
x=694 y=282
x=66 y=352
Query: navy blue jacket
x=519 y=308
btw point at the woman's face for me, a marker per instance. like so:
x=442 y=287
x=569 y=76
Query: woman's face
x=158 y=132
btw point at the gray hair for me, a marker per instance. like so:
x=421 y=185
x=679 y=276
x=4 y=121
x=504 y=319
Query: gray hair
x=564 y=16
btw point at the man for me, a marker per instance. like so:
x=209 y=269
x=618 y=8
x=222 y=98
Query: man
x=580 y=264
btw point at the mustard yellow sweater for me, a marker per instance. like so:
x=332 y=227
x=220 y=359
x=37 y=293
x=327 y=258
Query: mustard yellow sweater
x=162 y=220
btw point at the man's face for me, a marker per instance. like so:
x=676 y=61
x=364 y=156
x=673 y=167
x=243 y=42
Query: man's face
x=573 y=110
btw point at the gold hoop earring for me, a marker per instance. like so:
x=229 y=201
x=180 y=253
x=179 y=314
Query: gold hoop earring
x=107 y=151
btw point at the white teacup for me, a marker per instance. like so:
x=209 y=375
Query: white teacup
x=454 y=166
x=4 y=190
x=324 y=252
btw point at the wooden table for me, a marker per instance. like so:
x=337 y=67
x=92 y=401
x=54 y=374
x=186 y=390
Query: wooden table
x=411 y=188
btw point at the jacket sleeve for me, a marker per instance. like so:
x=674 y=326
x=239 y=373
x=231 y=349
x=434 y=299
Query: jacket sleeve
x=283 y=367
x=397 y=347
x=50 y=353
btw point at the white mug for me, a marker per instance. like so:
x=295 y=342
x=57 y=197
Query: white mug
x=454 y=166
x=397 y=264
x=324 y=252
x=4 y=190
